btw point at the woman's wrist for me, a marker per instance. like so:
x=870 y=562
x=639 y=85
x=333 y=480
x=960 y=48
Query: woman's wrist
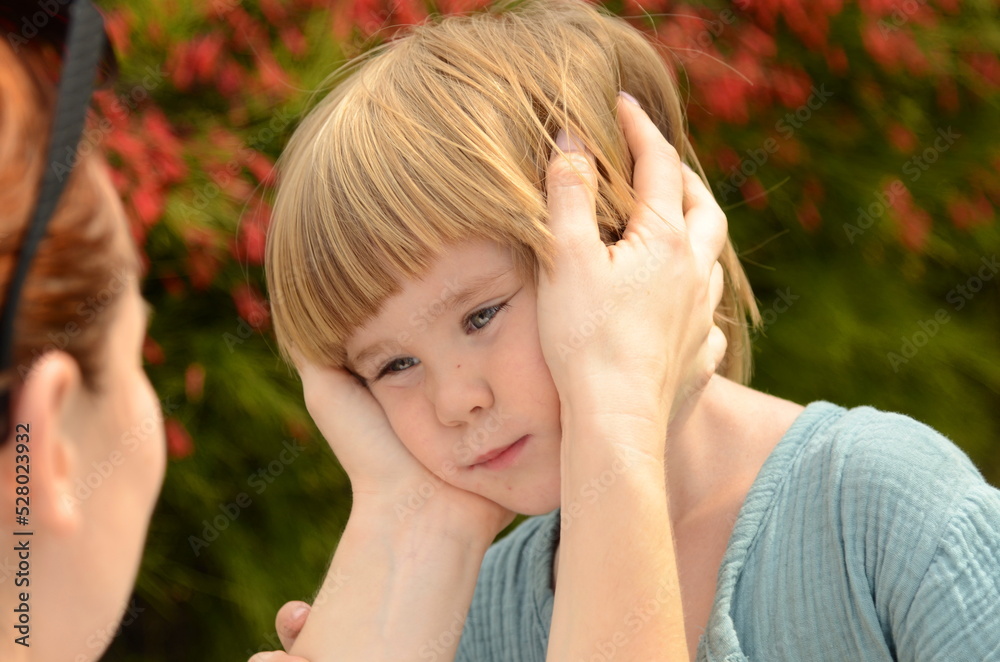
x=613 y=398
x=401 y=518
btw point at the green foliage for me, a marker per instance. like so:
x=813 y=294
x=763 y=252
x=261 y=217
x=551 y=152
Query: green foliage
x=852 y=271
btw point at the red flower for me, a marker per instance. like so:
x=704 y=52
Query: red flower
x=914 y=223
x=947 y=94
x=148 y=204
x=407 y=12
x=727 y=158
x=172 y=283
x=811 y=29
x=261 y=167
x=962 y=212
x=231 y=78
x=808 y=214
x=162 y=141
x=814 y=190
x=987 y=66
x=967 y=214
x=152 y=352
x=273 y=11
x=294 y=40
x=194 y=381
x=298 y=429
x=792 y=87
x=251 y=306
x=118 y=24
x=727 y=98
x=836 y=60
x=179 y=443
x=251 y=242
x=203 y=56
x=460 y=6
x=273 y=79
x=754 y=194
x=758 y=42
x=901 y=138
x=181 y=73
x=202 y=268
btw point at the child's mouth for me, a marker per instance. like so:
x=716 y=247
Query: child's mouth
x=501 y=458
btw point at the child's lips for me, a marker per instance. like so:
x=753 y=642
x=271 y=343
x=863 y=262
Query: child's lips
x=500 y=458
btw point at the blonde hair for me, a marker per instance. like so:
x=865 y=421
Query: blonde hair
x=444 y=134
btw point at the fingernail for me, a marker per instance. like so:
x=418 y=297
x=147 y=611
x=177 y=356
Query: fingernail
x=628 y=97
x=569 y=141
x=299 y=613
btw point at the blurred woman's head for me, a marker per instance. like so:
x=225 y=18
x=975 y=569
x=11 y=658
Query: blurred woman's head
x=444 y=135
x=83 y=416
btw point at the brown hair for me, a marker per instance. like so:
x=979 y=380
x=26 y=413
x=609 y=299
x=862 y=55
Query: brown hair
x=444 y=134
x=74 y=280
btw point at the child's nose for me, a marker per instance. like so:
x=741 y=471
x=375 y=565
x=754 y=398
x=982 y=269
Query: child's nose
x=460 y=394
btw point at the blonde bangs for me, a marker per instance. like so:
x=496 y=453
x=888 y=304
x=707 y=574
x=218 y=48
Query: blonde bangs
x=443 y=135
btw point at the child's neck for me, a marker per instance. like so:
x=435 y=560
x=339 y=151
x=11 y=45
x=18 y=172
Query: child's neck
x=720 y=441
x=716 y=446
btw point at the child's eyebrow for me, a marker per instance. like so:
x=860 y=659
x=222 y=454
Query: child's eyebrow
x=472 y=289
x=453 y=299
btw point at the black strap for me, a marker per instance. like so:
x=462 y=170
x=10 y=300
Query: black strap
x=84 y=46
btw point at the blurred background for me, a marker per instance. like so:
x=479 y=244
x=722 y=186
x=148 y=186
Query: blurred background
x=854 y=145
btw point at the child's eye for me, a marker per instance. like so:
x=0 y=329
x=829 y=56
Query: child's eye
x=396 y=365
x=478 y=320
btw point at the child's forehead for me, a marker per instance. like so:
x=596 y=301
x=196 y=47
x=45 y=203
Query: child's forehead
x=454 y=277
x=458 y=277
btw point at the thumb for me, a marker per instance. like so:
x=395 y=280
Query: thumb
x=571 y=193
x=289 y=622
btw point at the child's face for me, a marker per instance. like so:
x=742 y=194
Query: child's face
x=454 y=360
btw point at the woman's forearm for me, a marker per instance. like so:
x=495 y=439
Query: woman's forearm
x=617 y=592
x=394 y=591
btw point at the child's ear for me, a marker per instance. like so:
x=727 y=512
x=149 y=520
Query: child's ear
x=38 y=446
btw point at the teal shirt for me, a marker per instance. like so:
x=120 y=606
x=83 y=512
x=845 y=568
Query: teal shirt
x=865 y=536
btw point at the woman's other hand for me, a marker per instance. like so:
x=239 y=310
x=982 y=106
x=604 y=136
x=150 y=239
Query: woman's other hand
x=628 y=329
x=383 y=473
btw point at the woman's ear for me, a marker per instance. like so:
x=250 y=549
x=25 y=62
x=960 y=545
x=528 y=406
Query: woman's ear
x=40 y=447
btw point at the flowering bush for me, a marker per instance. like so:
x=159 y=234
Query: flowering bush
x=853 y=145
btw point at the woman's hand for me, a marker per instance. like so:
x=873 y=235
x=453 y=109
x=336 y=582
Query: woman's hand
x=628 y=327
x=383 y=473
